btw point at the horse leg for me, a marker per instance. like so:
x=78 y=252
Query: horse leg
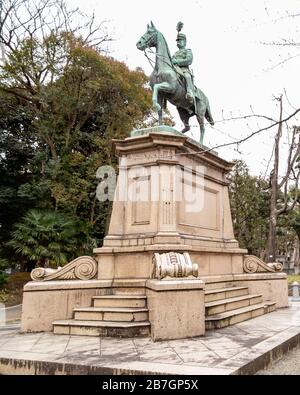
x=160 y=112
x=185 y=117
x=202 y=129
x=158 y=88
x=160 y=117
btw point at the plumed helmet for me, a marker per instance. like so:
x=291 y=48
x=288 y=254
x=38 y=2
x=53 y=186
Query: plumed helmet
x=180 y=36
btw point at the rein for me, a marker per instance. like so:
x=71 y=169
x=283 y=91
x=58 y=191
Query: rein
x=152 y=64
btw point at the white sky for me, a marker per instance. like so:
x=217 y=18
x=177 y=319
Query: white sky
x=231 y=64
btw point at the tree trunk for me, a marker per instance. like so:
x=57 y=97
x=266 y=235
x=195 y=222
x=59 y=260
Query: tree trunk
x=271 y=245
x=271 y=250
x=295 y=258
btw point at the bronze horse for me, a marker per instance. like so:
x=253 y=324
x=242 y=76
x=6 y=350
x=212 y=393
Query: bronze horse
x=167 y=83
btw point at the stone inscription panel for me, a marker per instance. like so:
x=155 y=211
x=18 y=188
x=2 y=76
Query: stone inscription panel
x=141 y=204
x=205 y=213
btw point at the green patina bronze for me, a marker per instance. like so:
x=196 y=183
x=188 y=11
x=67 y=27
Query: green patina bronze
x=155 y=129
x=171 y=79
x=168 y=130
x=183 y=58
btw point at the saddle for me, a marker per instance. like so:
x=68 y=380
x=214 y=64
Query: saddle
x=180 y=73
x=182 y=81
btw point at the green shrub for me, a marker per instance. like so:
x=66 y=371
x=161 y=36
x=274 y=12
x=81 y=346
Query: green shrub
x=293 y=277
x=17 y=280
x=46 y=238
x=3 y=279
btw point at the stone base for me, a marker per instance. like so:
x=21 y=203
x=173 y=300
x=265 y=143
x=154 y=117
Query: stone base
x=45 y=302
x=176 y=308
x=136 y=261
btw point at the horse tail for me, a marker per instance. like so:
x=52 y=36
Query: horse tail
x=208 y=115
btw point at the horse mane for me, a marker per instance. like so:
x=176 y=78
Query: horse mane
x=168 y=51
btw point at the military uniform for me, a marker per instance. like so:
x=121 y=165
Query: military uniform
x=184 y=58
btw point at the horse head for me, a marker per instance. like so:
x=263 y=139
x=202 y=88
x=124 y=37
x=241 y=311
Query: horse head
x=149 y=39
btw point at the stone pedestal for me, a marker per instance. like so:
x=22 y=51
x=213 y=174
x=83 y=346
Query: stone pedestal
x=176 y=308
x=171 y=195
x=169 y=258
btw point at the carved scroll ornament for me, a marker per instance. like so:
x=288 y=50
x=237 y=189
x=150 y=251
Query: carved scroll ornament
x=82 y=268
x=173 y=264
x=252 y=264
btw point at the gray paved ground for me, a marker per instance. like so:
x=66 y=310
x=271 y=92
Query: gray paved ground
x=289 y=364
x=9 y=315
x=224 y=351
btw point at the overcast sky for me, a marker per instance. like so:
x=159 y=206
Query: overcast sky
x=232 y=64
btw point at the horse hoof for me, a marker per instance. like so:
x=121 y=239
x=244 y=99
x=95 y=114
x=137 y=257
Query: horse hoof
x=185 y=129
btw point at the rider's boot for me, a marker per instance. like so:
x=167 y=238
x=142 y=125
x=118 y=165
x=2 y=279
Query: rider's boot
x=190 y=97
x=189 y=88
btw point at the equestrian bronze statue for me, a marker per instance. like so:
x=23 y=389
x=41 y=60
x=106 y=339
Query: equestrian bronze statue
x=171 y=79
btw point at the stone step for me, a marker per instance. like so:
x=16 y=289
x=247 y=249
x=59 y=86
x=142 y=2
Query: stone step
x=128 y=291
x=271 y=306
x=119 y=301
x=235 y=316
x=224 y=293
x=126 y=314
x=222 y=305
x=102 y=328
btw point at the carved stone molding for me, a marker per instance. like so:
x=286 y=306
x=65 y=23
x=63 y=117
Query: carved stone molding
x=82 y=268
x=173 y=264
x=252 y=264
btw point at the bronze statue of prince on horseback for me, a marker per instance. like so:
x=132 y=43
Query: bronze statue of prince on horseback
x=171 y=79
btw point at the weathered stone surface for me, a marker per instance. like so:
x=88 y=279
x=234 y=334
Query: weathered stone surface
x=176 y=308
x=45 y=302
x=81 y=268
x=164 y=223
x=252 y=264
x=173 y=264
x=119 y=301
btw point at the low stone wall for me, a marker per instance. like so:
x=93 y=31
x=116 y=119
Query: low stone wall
x=45 y=302
x=48 y=301
x=273 y=287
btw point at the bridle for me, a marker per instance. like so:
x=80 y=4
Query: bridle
x=147 y=44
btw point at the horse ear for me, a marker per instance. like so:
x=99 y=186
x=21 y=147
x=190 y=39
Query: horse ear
x=148 y=26
x=152 y=24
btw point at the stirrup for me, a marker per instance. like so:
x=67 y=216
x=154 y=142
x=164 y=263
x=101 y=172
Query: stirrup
x=189 y=98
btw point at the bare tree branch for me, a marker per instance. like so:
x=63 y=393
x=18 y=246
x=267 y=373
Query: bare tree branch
x=240 y=141
x=283 y=43
x=21 y=19
x=293 y=155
